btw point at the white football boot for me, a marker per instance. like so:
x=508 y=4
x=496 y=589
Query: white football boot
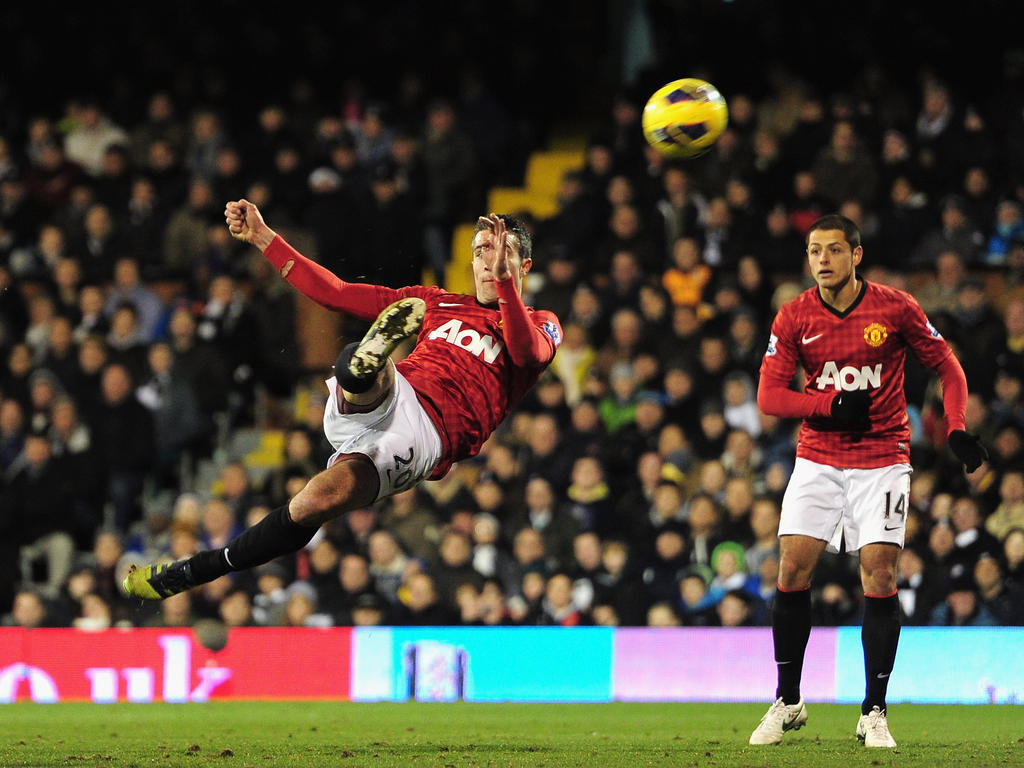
x=873 y=729
x=778 y=719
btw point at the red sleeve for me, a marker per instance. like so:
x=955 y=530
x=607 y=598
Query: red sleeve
x=954 y=392
x=324 y=287
x=530 y=345
x=774 y=395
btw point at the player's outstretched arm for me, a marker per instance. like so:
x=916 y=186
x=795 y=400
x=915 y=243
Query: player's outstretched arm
x=245 y=223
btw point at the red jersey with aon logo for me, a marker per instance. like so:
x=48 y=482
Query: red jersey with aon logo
x=472 y=363
x=864 y=348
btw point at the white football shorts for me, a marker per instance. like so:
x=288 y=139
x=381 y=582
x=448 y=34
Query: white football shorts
x=860 y=506
x=397 y=436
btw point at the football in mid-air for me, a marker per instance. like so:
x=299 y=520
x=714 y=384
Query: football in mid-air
x=684 y=118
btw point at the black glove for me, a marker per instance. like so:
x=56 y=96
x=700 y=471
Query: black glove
x=968 y=449
x=851 y=407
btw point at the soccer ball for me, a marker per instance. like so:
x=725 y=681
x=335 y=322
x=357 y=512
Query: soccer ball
x=684 y=118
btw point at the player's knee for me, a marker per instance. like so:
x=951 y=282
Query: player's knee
x=345 y=486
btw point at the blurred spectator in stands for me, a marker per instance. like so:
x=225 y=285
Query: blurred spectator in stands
x=185 y=237
x=903 y=220
x=544 y=455
x=408 y=516
x=764 y=527
x=160 y=123
x=1004 y=599
x=805 y=202
x=113 y=184
x=425 y=606
x=544 y=514
x=955 y=232
x=179 y=426
x=558 y=607
x=843 y=170
x=962 y=607
x=939 y=137
x=198 y=364
x=662 y=615
x=450 y=167
x=980 y=335
x=1008 y=227
x=1013 y=556
x=387 y=564
x=695 y=604
x=490 y=557
x=625 y=232
x=29 y=610
x=99 y=245
x=127 y=287
x=735 y=609
x=236 y=609
x=73 y=443
x=124 y=439
x=454 y=566
x=588 y=498
x=1010 y=512
x=126 y=340
x=665 y=565
x=569 y=234
x=36 y=501
x=204 y=139
x=59 y=356
x=51 y=176
x=354 y=581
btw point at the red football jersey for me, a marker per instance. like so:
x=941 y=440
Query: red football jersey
x=462 y=366
x=461 y=369
x=862 y=348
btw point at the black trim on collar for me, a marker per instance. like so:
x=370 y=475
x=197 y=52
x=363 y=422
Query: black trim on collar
x=849 y=309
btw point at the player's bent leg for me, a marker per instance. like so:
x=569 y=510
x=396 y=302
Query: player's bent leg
x=357 y=366
x=880 y=635
x=351 y=483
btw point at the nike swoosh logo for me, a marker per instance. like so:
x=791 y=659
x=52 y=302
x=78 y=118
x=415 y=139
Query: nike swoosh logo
x=893 y=528
x=443 y=304
x=882 y=675
x=809 y=339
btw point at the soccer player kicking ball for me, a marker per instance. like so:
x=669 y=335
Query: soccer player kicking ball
x=392 y=426
x=851 y=480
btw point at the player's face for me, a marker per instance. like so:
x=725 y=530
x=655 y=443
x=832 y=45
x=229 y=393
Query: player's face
x=483 y=244
x=831 y=259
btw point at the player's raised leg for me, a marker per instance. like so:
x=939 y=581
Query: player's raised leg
x=351 y=483
x=359 y=365
x=791 y=629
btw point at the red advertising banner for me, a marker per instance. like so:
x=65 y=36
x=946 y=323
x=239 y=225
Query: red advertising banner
x=142 y=665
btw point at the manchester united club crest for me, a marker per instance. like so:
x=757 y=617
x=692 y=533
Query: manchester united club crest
x=875 y=334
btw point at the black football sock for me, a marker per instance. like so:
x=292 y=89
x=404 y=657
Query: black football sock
x=350 y=382
x=880 y=635
x=791 y=628
x=275 y=535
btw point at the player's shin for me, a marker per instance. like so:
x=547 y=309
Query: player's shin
x=275 y=535
x=880 y=635
x=791 y=629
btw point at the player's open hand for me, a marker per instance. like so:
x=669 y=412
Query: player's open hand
x=497 y=256
x=245 y=223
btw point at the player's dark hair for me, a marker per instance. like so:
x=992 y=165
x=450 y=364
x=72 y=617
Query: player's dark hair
x=518 y=228
x=836 y=221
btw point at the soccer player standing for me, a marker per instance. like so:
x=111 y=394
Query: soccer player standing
x=851 y=480
x=392 y=426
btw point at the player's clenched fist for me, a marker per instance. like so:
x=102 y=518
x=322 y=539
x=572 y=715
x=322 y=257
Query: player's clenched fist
x=245 y=223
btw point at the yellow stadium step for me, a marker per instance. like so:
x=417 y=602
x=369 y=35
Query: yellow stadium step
x=459 y=272
x=514 y=200
x=544 y=170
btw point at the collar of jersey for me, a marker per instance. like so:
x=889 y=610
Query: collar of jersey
x=849 y=309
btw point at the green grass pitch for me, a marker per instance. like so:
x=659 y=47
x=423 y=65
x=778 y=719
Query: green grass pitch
x=238 y=734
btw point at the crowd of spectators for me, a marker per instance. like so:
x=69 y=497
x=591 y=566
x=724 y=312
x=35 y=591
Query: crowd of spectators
x=637 y=484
